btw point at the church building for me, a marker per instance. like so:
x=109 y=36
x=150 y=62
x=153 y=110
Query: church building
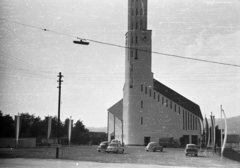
x=149 y=109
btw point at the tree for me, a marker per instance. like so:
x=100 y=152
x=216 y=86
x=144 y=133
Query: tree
x=7 y=129
x=32 y=126
x=79 y=135
x=54 y=132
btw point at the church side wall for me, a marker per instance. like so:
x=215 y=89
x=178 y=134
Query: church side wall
x=154 y=116
x=118 y=130
x=110 y=125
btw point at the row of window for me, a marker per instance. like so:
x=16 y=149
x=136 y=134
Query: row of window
x=136 y=12
x=134 y=53
x=137 y=25
x=132 y=39
x=189 y=121
x=157 y=96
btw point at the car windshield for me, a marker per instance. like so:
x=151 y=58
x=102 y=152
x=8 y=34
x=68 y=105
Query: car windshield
x=152 y=143
x=104 y=143
x=191 y=146
x=113 y=144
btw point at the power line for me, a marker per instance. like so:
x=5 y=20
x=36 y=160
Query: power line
x=120 y=46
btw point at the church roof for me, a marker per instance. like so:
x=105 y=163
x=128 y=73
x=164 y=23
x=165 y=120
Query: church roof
x=177 y=98
x=117 y=109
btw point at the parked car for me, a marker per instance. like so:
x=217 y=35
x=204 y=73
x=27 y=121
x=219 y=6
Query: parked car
x=115 y=148
x=153 y=146
x=168 y=142
x=191 y=149
x=103 y=146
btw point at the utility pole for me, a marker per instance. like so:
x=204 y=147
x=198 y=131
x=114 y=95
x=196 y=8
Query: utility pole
x=59 y=105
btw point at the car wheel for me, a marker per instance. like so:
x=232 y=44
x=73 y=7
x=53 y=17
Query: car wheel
x=196 y=154
x=186 y=154
x=161 y=150
x=107 y=152
x=98 y=150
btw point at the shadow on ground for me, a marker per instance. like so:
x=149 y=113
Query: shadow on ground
x=231 y=154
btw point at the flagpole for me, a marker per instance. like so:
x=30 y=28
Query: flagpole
x=69 y=131
x=208 y=136
x=214 y=132
x=221 y=125
x=47 y=132
x=225 y=134
x=205 y=132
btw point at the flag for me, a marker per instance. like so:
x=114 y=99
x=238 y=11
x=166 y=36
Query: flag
x=49 y=123
x=207 y=133
x=17 y=127
x=225 y=133
x=70 y=130
x=212 y=132
x=201 y=124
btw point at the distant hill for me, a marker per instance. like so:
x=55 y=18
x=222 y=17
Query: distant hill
x=233 y=124
x=97 y=129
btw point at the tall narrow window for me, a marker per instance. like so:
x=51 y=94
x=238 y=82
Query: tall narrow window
x=131 y=84
x=183 y=121
x=141 y=22
x=136 y=55
x=132 y=39
x=141 y=104
x=131 y=53
x=196 y=122
x=193 y=122
x=158 y=97
x=136 y=11
x=162 y=100
x=188 y=121
x=132 y=12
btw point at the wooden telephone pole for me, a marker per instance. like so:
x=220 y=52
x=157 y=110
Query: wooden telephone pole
x=59 y=105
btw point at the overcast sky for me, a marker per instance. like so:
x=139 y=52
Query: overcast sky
x=30 y=58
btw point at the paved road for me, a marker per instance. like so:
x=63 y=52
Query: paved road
x=37 y=163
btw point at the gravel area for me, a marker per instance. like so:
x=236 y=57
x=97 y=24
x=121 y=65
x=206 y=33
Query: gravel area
x=170 y=157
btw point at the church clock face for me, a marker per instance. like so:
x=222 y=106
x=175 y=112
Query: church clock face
x=145 y=37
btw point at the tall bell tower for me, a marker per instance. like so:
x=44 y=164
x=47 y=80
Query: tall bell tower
x=138 y=71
